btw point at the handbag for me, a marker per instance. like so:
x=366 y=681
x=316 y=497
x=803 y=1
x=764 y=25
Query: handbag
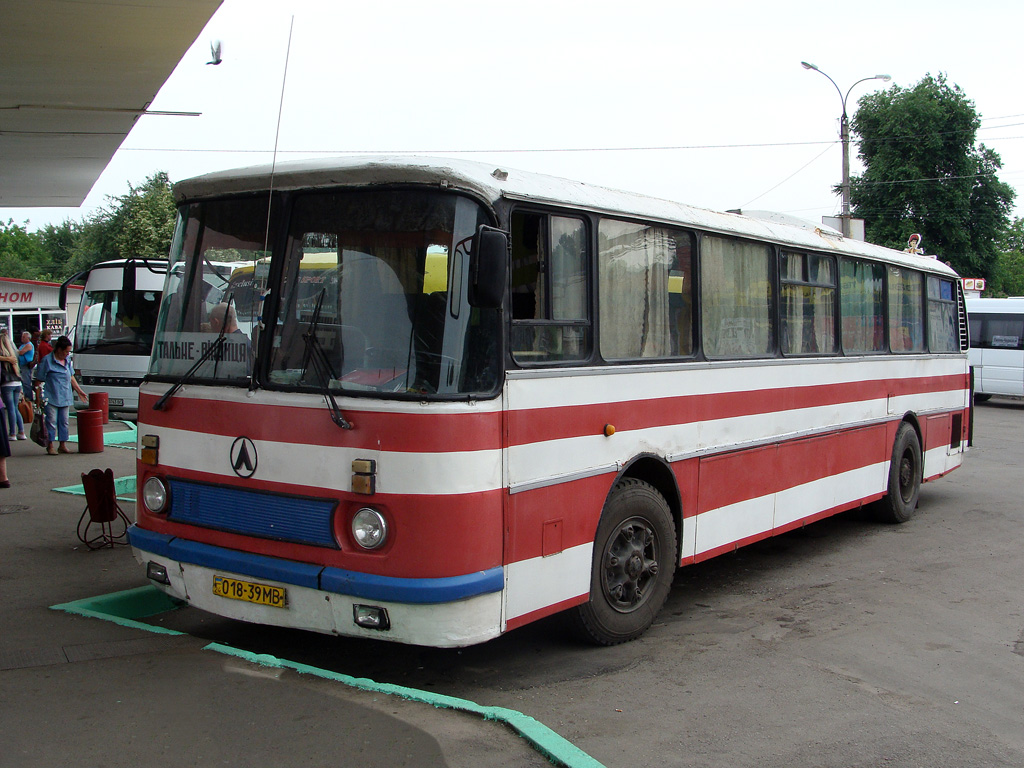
x=27 y=412
x=38 y=433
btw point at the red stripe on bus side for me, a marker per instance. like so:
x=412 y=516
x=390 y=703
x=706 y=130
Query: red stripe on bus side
x=724 y=479
x=548 y=610
x=734 y=477
x=402 y=432
x=440 y=432
x=543 y=424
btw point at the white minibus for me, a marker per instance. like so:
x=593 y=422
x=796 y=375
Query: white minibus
x=997 y=346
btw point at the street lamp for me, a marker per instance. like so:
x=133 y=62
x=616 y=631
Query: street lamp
x=844 y=133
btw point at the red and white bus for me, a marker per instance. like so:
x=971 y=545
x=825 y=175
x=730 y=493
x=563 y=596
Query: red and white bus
x=603 y=388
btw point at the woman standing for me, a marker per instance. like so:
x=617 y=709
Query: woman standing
x=26 y=358
x=55 y=378
x=10 y=386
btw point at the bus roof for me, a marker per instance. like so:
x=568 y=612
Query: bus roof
x=1013 y=304
x=492 y=184
x=140 y=262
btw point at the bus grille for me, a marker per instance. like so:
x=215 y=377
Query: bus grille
x=254 y=513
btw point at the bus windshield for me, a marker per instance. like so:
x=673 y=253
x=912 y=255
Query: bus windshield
x=369 y=288
x=111 y=326
x=210 y=240
x=374 y=284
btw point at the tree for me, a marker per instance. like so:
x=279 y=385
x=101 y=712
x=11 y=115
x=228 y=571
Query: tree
x=1008 y=276
x=20 y=252
x=924 y=173
x=137 y=224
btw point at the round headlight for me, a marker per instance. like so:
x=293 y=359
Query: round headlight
x=154 y=495
x=369 y=528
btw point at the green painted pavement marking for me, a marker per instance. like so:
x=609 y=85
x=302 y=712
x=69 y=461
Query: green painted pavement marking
x=126 y=607
x=123 y=486
x=554 y=747
x=123 y=438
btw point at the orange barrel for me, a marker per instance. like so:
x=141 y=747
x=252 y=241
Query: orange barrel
x=90 y=431
x=98 y=402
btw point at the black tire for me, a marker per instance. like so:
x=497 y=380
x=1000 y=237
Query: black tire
x=981 y=398
x=633 y=565
x=905 y=473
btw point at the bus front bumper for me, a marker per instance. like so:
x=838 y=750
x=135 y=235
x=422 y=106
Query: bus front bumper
x=442 y=613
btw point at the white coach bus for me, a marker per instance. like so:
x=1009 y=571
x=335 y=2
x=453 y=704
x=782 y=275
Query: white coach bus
x=600 y=388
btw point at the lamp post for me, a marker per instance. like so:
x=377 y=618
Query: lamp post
x=844 y=134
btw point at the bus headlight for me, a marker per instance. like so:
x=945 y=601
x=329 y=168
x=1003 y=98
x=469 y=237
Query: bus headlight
x=154 y=495
x=369 y=528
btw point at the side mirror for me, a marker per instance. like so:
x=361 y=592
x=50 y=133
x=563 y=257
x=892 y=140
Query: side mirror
x=62 y=293
x=488 y=268
x=127 y=308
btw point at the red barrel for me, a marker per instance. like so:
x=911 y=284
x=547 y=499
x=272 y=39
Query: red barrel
x=98 y=401
x=90 y=432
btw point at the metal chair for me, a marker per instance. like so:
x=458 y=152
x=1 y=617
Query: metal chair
x=101 y=508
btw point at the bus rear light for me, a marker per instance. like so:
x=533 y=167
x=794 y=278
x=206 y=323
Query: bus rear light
x=371 y=617
x=155 y=495
x=369 y=528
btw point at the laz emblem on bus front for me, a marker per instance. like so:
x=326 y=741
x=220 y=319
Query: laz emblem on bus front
x=243 y=457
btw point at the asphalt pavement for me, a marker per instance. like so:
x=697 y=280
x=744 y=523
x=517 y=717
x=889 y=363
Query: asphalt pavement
x=84 y=691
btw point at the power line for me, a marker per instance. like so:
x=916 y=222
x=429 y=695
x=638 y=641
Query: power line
x=543 y=150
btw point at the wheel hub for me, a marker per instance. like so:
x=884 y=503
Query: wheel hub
x=630 y=564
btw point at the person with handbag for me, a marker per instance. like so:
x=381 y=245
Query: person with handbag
x=26 y=359
x=10 y=386
x=55 y=377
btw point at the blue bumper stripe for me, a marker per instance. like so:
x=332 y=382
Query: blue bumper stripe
x=208 y=556
x=350 y=583
x=445 y=590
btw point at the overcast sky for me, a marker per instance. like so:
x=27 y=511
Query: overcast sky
x=704 y=103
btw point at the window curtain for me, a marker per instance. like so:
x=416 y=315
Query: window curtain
x=635 y=261
x=735 y=298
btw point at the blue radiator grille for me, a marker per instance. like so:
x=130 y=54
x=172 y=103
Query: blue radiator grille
x=254 y=513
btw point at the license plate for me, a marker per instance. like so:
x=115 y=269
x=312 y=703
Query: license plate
x=249 y=592
x=115 y=401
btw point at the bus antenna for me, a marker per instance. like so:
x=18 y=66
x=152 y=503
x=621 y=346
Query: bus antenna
x=277 y=131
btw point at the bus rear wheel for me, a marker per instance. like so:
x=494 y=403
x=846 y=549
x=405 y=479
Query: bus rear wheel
x=905 y=472
x=633 y=565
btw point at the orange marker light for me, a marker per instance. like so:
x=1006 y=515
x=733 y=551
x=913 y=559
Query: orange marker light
x=609 y=430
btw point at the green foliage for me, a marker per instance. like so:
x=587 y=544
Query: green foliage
x=1008 y=276
x=20 y=252
x=924 y=173
x=137 y=224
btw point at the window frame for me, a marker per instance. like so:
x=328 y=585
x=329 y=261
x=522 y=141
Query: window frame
x=771 y=280
x=806 y=282
x=694 y=299
x=545 y=274
x=922 y=317
x=884 y=348
x=953 y=303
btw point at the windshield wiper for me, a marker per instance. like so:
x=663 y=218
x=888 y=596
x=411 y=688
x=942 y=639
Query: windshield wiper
x=316 y=356
x=187 y=376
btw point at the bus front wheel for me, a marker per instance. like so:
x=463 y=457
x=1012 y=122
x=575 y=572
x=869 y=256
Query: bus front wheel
x=633 y=565
x=905 y=472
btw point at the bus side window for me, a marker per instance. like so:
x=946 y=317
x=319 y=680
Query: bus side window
x=549 y=285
